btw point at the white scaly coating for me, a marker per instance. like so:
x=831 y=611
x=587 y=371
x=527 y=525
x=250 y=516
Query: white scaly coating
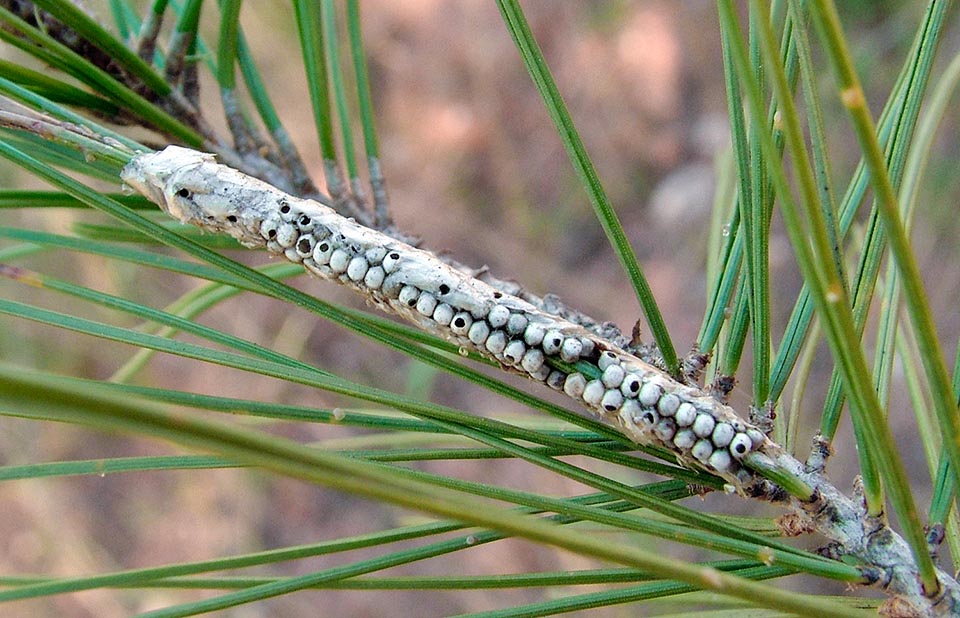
x=192 y=187
x=649 y=406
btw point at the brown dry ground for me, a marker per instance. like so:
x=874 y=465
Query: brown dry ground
x=474 y=168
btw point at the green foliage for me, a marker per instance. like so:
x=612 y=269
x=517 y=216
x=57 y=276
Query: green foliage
x=783 y=170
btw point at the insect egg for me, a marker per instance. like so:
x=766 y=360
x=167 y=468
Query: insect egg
x=702 y=450
x=322 y=252
x=722 y=434
x=287 y=235
x=741 y=445
x=375 y=255
x=268 y=229
x=357 y=268
x=498 y=316
x=704 y=425
x=593 y=392
x=611 y=400
x=426 y=303
x=570 y=349
x=532 y=361
x=533 y=334
x=606 y=359
x=756 y=437
x=574 y=384
x=391 y=262
x=479 y=332
x=305 y=245
x=650 y=394
x=305 y=223
x=409 y=295
x=588 y=347
x=339 y=260
x=630 y=387
x=516 y=324
x=720 y=460
x=665 y=429
x=668 y=404
x=630 y=412
x=392 y=284
x=685 y=415
x=684 y=439
x=374 y=278
x=613 y=376
x=556 y=379
x=514 y=352
x=552 y=342
x=443 y=314
x=496 y=342
x=461 y=323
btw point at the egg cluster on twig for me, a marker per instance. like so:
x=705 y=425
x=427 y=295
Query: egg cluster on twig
x=647 y=404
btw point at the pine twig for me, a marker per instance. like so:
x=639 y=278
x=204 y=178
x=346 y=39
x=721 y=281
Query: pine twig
x=644 y=402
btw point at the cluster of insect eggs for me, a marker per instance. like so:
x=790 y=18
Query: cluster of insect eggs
x=647 y=407
x=516 y=341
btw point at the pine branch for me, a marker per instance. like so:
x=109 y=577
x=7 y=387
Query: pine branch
x=540 y=339
x=645 y=403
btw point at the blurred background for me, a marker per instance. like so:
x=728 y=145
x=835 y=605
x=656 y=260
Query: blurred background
x=475 y=168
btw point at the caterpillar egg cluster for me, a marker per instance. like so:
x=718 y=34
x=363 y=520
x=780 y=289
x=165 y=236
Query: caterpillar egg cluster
x=518 y=337
x=646 y=403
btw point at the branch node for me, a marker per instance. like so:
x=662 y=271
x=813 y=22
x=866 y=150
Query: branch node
x=819 y=454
